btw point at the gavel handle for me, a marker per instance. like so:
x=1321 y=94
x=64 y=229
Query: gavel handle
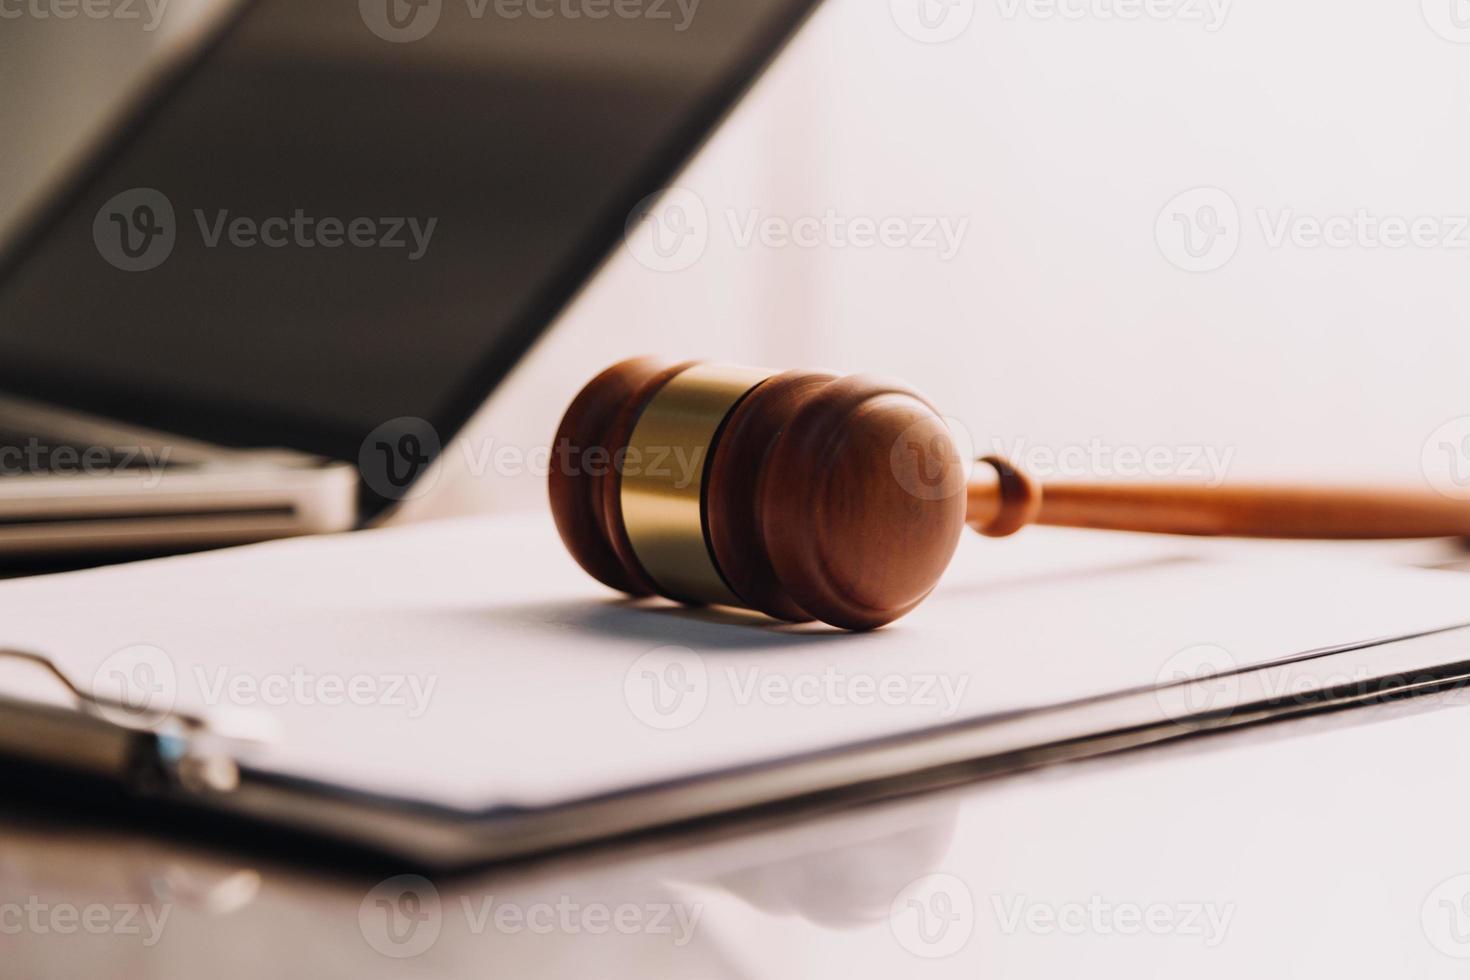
x=1002 y=500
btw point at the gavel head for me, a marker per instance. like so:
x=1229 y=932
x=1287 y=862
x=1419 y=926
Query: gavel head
x=800 y=494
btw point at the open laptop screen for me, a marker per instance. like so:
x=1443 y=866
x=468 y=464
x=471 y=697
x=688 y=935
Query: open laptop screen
x=355 y=210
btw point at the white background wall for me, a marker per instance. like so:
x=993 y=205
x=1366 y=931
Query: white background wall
x=1061 y=320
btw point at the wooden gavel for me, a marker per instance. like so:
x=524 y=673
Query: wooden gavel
x=811 y=496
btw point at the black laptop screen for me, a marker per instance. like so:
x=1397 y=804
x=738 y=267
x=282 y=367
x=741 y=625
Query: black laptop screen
x=356 y=210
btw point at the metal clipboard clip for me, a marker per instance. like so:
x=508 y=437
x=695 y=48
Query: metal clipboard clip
x=146 y=750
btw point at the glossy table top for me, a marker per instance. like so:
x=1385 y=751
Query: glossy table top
x=1332 y=845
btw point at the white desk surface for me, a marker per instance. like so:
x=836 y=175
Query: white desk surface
x=1326 y=847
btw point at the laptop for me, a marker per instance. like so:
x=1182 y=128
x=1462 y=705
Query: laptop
x=260 y=260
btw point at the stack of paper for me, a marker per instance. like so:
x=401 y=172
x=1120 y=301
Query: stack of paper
x=470 y=664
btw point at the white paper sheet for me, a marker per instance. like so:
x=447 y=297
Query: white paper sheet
x=470 y=663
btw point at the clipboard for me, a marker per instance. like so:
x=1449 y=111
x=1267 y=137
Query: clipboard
x=189 y=760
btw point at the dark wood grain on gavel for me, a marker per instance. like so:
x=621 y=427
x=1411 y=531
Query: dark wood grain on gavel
x=843 y=499
x=802 y=513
